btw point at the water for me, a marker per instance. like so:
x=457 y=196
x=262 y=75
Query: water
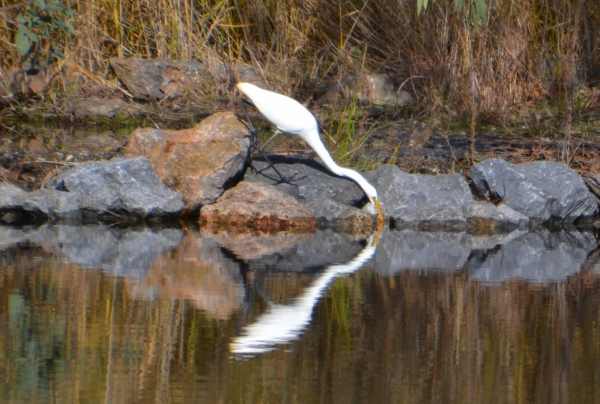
x=99 y=314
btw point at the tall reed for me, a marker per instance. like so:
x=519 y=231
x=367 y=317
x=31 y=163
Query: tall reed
x=526 y=51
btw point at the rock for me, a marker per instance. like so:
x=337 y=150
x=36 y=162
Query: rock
x=20 y=207
x=259 y=207
x=200 y=162
x=370 y=88
x=333 y=200
x=543 y=191
x=157 y=79
x=121 y=187
x=97 y=108
x=486 y=218
x=247 y=74
x=593 y=183
x=436 y=202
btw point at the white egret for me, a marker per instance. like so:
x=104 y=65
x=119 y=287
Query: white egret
x=292 y=118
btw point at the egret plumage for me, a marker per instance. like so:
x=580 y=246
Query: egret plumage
x=292 y=118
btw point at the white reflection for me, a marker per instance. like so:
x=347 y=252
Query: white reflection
x=284 y=323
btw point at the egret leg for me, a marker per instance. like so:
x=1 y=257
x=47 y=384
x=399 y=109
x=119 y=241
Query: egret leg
x=254 y=133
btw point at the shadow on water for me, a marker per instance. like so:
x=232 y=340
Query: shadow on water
x=96 y=313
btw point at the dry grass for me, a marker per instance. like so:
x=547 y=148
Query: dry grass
x=527 y=53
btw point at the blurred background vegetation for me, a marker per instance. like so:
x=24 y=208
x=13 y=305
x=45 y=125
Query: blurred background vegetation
x=490 y=56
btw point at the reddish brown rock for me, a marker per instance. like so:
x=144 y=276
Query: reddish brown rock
x=258 y=207
x=196 y=162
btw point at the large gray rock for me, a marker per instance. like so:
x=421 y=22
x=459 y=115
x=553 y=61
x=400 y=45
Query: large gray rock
x=436 y=202
x=593 y=183
x=121 y=186
x=18 y=206
x=540 y=190
x=334 y=201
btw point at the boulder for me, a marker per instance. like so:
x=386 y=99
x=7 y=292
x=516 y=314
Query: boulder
x=593 y=183
x=334 y=201
x=542 y=190
x=247 y=74
x=20 y=207
x=97 y=108
x=121 y=187
x=259 y=207
x=368 y=88
x=157 y=79
x=199 y=162
x=436 y=202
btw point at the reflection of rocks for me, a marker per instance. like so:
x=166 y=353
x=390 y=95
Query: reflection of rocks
x=322 y=249
x=124 y=252
x=421 y=251
x=252 y=246
x=541 y=256
x=592 y=263
x=198 y=271
x=288 y=251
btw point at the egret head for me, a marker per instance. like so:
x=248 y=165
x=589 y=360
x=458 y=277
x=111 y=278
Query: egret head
x=371 y=193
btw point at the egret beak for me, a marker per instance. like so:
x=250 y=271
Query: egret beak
x=379 y=212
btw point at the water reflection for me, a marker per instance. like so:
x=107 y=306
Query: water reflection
x=150 y=316
x=541 y=257
x=283 y=323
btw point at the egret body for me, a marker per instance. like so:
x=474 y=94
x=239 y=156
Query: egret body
x=292 y=118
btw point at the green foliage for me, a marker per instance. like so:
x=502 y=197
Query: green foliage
x=39 y=27
x=475 y=10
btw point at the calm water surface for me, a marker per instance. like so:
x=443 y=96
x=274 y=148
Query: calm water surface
x=98 y=314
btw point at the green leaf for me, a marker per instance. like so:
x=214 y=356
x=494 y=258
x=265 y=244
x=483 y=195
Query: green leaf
x=21 y=19
x=32 y=36
x=22 y=40
x=41 y=4
x=70 y=27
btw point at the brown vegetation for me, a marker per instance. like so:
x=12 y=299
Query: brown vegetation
x=525 y=52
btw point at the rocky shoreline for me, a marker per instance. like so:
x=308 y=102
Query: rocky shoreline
x=206 y=174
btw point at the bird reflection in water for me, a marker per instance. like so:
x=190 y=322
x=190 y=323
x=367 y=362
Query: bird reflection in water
x=284 y=323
